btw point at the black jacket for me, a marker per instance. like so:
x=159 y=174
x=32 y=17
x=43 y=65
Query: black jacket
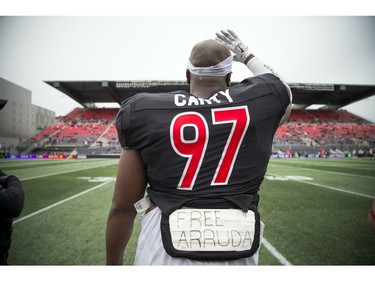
x=11 y=204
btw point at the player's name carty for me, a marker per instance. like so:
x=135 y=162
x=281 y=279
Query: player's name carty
x=186 y=100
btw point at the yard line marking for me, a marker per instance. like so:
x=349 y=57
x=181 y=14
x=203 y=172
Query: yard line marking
x=61 y=202
x=65 y=172
x=328 y=187
x=324 y=171
x=275 y=252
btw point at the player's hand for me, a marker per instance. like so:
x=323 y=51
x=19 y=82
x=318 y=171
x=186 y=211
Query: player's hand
x=230 y=39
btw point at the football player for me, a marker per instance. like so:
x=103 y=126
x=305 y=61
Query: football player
x=11 y=205
x=203 y=155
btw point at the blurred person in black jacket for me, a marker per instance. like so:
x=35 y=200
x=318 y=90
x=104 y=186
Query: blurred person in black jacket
x=11 y=204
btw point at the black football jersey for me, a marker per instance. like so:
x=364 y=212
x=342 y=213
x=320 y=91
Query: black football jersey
x=205 y=148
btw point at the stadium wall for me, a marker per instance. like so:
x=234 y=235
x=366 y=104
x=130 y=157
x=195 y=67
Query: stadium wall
x=20 y=119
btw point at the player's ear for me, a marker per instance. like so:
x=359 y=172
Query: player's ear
x=227 y=78
x=188 y=76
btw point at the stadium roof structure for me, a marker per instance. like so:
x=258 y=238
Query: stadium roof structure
x=88 y=93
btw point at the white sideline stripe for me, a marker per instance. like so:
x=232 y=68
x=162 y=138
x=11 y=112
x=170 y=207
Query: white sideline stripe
x=328 y=187
x=65 y=172
x=323 y=171
x=275 y=253
x=60 y=202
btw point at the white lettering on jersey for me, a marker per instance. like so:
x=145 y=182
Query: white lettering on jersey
x=193 y=101
x=179 y=100
x=226 y=94
x=183 y=100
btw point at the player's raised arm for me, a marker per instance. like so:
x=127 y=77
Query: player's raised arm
x=243 y=54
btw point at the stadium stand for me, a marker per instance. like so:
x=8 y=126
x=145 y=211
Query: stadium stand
x=88 y=131
x=325 y=132
x=334 y=130
x=307 y=132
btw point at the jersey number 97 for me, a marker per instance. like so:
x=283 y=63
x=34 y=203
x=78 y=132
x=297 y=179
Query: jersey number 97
x=194 y=149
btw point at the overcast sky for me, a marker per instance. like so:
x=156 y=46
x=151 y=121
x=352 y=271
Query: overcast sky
x=302 y=49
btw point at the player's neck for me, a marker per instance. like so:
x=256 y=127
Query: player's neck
x=203 y=92
x=205 y=88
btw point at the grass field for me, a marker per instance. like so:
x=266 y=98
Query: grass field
x=315 y=211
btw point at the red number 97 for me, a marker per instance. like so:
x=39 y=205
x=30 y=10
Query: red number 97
x=195 y=149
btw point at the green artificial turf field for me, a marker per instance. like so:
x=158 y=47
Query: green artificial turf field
x=315 y=211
